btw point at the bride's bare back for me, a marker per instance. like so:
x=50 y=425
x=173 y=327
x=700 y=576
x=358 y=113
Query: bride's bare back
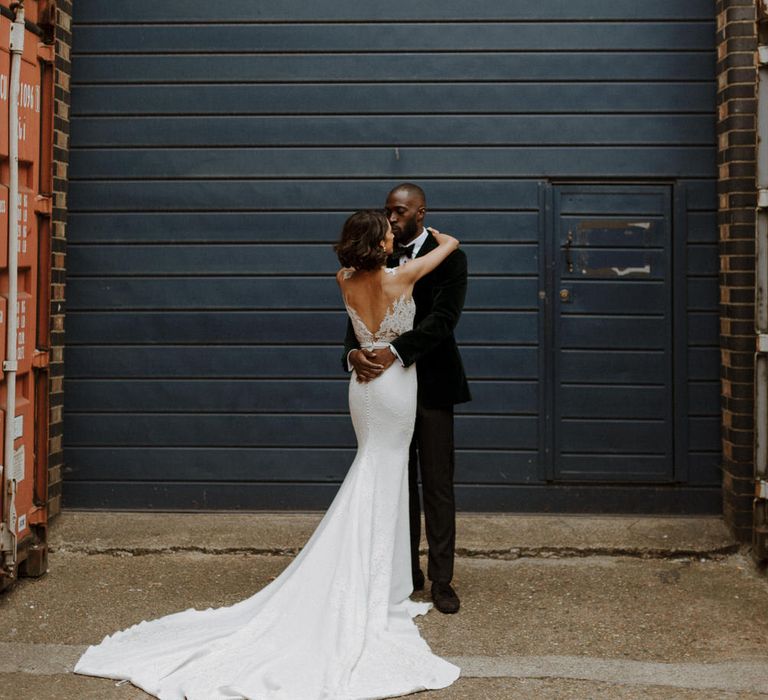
x=371 y=294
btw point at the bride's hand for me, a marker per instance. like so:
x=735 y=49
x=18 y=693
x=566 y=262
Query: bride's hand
x=443 y=238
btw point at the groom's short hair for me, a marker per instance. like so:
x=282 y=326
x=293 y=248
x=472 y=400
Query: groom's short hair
x=411 y=189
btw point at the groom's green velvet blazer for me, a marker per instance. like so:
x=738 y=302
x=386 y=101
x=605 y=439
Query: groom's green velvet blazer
x=439 y=298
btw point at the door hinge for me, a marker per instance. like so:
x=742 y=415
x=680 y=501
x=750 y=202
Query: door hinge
x=44 y=204
x=761 y=489
x=41 y=359
x=46 y=53
x=38 y=516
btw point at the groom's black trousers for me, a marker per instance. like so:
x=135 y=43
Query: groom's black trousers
x=431 y=456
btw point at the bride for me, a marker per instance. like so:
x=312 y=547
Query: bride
x=337 y=624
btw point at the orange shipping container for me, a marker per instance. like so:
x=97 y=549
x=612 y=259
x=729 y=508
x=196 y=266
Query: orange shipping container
x=35 y=143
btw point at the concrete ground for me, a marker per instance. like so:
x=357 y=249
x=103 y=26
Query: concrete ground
x=552 y=606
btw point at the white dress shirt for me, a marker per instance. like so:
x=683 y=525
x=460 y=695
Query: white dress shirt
x=417 y=243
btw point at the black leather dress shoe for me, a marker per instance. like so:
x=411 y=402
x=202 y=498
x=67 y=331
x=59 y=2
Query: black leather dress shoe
x=445 y=598
x=418 y=580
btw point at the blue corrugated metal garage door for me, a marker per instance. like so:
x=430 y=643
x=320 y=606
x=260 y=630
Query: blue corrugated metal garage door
x=216 y=150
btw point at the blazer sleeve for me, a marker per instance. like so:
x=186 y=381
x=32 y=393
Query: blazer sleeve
x=350 y=343
x=449 y=292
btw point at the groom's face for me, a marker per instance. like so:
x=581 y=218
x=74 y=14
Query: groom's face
x=406 y=215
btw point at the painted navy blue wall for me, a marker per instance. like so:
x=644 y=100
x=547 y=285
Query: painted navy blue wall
x=216 y=150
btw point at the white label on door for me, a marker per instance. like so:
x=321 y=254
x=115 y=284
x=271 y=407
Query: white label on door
x=18 y=427
x=22 y=523
x=17 y=471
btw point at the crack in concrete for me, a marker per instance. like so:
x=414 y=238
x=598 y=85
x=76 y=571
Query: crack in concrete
x=714 y=553
x=590 y=551
x=182 y=549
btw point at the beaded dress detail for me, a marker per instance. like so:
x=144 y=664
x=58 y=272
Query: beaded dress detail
x=337 y=624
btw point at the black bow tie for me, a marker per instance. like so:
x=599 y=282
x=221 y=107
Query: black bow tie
x=403 y=250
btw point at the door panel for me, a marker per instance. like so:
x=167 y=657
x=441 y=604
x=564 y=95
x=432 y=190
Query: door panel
x=612 y=333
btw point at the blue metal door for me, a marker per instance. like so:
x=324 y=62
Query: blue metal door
x=612 y=334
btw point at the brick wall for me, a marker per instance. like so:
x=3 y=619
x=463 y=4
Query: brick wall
x=736 y=84
x=58 y=250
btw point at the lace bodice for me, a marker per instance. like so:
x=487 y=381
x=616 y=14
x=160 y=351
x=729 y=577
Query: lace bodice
x=397 y=320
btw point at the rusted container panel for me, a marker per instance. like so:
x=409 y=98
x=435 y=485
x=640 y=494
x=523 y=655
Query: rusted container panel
x=22 y=469
x=32 y=10
x=5 y=72
x=27 y=303
x=26 y=311
x=29 y=117
x=27 y=237
x=26 y=306
x=28 y=224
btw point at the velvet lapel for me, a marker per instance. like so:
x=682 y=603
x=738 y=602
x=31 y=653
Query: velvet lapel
x=429 y=244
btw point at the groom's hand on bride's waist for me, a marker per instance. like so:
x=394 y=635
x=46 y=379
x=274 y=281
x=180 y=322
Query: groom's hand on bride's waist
x=365 y=365
x=384 y=357
x=369 y=364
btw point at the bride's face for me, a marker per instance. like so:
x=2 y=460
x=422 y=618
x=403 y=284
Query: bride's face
x=389 y=240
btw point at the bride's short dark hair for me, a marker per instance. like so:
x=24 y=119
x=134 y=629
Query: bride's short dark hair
x=360 y=243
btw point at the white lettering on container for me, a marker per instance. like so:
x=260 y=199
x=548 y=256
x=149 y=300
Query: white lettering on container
x=29 y=96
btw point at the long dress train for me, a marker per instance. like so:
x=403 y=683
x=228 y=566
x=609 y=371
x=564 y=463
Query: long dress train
x=337 y=624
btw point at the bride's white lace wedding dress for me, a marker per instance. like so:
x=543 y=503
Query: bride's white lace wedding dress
x=337 y=624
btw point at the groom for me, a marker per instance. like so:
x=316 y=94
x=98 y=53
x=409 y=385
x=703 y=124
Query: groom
x=431 y=345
